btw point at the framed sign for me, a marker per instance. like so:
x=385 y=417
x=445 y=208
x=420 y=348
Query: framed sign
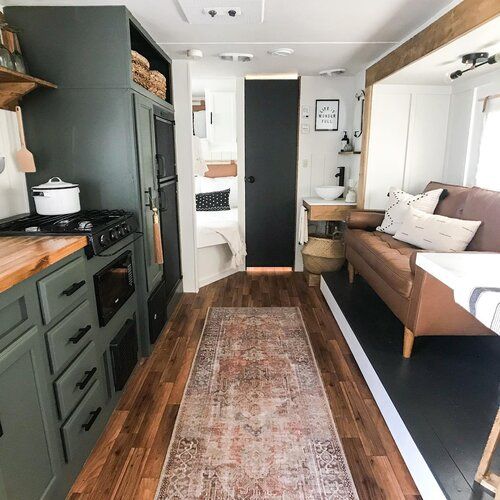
x=327 y=114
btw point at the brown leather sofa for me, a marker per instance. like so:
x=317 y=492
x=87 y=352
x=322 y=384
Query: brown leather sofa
x=423 y=304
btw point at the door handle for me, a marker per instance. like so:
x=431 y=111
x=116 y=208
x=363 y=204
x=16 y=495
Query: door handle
x=81 y=333
x=250 y=179
x=73 y=288
x=93 y=417
x=88 y=377
x=160 y=162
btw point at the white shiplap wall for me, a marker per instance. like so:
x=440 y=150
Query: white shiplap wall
x=13 y=193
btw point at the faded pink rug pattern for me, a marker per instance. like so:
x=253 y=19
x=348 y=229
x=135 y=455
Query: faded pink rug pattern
x=254 y=422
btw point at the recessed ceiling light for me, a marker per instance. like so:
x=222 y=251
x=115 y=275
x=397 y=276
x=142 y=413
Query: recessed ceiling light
x=283 y=52
x=236 y=57
x=332 y=72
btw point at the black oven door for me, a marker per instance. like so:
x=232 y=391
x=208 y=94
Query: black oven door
x=114 y=284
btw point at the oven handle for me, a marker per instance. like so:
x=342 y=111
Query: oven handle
x=139 y=235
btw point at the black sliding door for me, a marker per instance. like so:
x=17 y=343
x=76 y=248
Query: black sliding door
x=271 y=120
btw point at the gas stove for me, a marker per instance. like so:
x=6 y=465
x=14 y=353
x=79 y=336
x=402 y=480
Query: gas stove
x=103 y=228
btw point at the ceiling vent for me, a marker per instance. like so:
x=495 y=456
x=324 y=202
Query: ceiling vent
x=223 y=11
x=332 y=72
x=236 y=57
x=283 y=52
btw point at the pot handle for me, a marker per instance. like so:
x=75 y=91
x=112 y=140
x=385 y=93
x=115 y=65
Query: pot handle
x=55 y=180
x=39 y=193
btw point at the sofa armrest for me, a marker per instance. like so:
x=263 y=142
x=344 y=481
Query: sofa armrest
x=364 y=219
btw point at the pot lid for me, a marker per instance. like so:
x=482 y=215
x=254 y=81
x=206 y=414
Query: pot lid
x=56 y=183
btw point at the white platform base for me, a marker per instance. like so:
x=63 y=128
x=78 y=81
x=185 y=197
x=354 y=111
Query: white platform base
x=214 y=263
x=419 y=470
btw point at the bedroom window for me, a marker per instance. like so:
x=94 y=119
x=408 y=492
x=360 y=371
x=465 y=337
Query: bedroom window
x=488 y=167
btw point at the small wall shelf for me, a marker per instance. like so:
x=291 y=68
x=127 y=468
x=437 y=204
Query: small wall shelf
x=14 y=85
x=349 y=152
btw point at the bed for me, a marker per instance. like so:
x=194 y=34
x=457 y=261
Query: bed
x=221 y=247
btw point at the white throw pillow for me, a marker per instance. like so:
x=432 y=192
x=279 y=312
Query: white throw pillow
x=399 y=202
x=436 y=232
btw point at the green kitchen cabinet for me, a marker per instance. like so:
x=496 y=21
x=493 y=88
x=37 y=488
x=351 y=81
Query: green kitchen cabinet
x=29 y=456
x=146 y=156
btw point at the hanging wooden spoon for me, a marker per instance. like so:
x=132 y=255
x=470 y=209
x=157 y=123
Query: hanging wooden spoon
x=24 y=157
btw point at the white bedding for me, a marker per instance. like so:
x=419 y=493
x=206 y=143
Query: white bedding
x=208 y=222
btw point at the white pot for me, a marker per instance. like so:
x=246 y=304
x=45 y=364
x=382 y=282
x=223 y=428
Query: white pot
x=56 y=197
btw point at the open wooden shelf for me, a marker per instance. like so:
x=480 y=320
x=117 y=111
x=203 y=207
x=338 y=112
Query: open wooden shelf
x=14 y=85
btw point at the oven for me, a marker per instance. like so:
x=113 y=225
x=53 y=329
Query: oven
x=114 y=284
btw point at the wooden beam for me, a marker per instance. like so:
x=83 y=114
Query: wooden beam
x=466 y=16
x=365 y=139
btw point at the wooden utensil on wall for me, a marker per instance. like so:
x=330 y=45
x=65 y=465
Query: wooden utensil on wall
x=157 y=237
x=24 y=157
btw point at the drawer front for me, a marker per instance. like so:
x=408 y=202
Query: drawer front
x=72 y=385
x=69 y=336
x=82 y=429
x=62 y=289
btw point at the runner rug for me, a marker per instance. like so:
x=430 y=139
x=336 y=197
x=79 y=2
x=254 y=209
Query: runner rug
x=254 y=422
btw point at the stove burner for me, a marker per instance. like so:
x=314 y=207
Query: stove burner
x=103 y=228
x=85 y=224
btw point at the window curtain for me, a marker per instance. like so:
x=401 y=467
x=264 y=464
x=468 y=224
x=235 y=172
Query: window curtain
x=488 y=167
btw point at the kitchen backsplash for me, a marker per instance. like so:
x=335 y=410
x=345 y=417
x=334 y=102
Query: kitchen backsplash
x=13 y=194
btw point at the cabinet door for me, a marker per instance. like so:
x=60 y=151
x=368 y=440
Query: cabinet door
x=144 y=125
x=28 y=456
x=221 y=119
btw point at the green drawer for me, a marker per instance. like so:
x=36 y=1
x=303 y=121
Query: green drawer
x=82 y=429
x=62 y=289
x=76 y=380
x=70 y=335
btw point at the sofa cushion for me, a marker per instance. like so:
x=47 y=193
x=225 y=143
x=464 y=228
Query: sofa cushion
x=390 y=258
x=484 y=205
x=453 y=204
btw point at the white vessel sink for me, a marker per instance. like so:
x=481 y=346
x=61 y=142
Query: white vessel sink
x=329 y=192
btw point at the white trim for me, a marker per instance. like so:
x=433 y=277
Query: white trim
x=419 y=470
x=216 y=277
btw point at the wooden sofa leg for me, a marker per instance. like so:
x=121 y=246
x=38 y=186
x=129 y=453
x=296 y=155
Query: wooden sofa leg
x=408 y=340
x=351 y=272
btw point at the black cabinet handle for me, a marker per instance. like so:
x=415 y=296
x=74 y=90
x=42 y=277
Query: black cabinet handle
x=73 y=288
x=88 y=377
x=1 y=430
x=79 y=336
x=160 y=160
x=93 y=417
x=250 y=179
x=211 y=118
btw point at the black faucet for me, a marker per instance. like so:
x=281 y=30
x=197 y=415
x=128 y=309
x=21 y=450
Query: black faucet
x=341 y=175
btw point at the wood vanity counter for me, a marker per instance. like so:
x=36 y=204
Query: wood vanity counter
x=23 y=256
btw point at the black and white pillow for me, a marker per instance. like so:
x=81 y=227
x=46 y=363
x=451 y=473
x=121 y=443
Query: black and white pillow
x=214 y=201
x=399 y=204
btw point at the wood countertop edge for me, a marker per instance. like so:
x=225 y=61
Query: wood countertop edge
x=30 y=255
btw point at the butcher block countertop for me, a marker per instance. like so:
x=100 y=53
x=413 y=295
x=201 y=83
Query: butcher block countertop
x=23 y=256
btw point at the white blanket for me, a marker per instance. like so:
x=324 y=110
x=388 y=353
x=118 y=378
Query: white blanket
x=219 y=227
x=483 y=303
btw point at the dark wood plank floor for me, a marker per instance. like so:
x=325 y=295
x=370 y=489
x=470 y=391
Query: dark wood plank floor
x=128 y=459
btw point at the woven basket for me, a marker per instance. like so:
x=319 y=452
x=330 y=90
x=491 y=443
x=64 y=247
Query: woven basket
x=139 y=60
x=323 y=254
x=157 y=84
x=140 y=69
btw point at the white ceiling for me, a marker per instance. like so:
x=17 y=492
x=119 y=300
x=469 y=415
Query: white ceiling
x=323 y=33
x=435 y=68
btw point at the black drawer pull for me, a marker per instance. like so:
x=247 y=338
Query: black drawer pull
x=73 y=288
x=79 y=336
x=88 y=377
x=93 y=417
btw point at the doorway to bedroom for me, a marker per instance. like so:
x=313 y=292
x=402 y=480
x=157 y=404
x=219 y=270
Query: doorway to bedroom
x=217 y=177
